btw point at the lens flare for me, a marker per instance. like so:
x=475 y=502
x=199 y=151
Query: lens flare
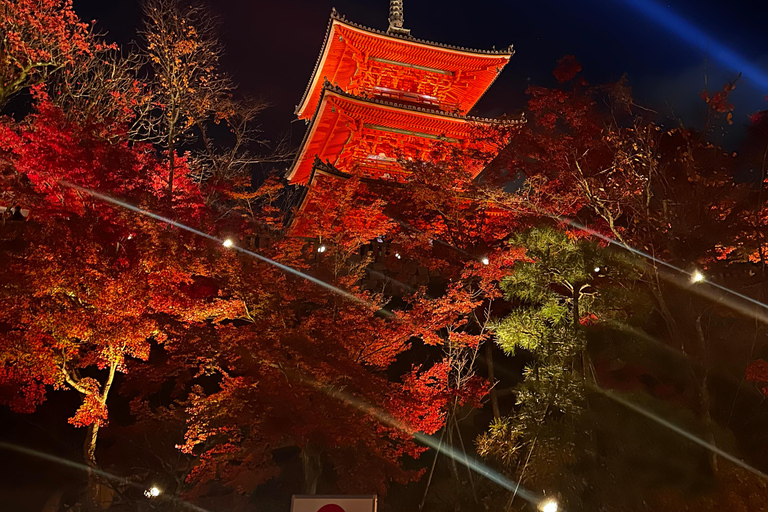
x=697 y=277
x=549 y=505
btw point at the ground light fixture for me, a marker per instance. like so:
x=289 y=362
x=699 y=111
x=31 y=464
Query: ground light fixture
x=697 y=277
x=548 y=505
x=485 y=260
x=152 y=492
x=228 y=243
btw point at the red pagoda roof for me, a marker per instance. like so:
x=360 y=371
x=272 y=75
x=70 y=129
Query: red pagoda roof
x=371 y=63
x=367 y=136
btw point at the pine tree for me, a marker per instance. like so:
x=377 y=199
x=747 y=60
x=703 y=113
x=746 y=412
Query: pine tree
x=567 y=285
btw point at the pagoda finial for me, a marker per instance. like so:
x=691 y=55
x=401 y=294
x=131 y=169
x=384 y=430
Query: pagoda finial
x=396 y=18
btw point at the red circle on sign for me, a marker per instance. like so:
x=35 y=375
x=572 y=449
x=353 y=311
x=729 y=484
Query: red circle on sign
x=331 y=507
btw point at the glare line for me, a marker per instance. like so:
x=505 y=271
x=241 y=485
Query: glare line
x=671 y=426
x=66 y=462
x=281 y=266
x=460 y=457
x=83 y=467
x=695 y=36
x=699 y=288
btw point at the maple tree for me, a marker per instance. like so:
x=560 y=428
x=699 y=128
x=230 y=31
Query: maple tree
x=324 y=357
x=183 y=52
x=38 y=38
x=88 y=285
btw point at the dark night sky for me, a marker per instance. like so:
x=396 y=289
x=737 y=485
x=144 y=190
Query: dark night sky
x=272 y=45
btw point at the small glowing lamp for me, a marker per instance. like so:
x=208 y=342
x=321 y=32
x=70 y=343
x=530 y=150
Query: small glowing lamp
x=321 y=249
x=152 y=492
x=597 y=270
x=549 y=505
x=397 y=255
x=485 y=260
x=228 y=242
x=697 y=277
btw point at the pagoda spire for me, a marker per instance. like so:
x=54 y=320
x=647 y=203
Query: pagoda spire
x=396 y=18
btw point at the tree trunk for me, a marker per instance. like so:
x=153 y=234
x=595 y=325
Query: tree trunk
x=89 y=455
x=585 y=366
x=702 y=382
x=95 y=485
x=313 y=468
x=89 y=447
x=492 y=380
x=171 y=166
x=451 y=460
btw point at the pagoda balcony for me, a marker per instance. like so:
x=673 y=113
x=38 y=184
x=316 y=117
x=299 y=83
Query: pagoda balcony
x=410 y=98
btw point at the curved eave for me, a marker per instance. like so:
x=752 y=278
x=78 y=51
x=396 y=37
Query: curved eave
x=328 y=89
x=412 y=108
x=337 y=20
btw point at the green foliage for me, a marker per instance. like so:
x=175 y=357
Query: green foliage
x=566 y=280
x=566 y=288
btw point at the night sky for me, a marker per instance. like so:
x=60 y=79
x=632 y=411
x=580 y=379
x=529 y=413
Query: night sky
x=272 y=45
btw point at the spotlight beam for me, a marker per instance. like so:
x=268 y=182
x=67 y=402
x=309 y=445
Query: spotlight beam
x=696 y=37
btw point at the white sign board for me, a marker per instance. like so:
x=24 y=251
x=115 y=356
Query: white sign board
x=333 y=503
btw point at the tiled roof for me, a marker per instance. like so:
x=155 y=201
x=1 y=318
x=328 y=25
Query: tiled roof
x=335 y=16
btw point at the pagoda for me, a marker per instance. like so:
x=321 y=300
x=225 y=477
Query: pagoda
x=377 y=99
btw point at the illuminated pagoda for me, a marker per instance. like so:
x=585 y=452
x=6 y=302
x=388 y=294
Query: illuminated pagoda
x=377 y=98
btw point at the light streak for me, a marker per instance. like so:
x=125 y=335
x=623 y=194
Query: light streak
x=760 y=314
x=430 y=441
x=166 y=220
x=696 y=37
x=88 y=469
x=65 y=462
x=684 y=433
